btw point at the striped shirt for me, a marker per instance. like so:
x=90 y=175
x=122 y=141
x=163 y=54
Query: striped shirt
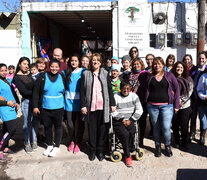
x=128 y=108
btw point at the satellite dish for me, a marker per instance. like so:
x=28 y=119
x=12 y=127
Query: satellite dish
x=159 y=18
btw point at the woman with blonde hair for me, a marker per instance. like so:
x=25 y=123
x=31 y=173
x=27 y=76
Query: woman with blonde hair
x=96 y=101
x=41 y=64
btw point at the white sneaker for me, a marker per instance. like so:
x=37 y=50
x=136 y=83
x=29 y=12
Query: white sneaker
x=54 y=151
x=48 y=150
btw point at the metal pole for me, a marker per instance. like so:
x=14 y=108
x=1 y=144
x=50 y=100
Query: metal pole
x=201 y=26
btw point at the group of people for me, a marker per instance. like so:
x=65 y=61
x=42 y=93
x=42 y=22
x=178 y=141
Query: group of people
x=89 y=90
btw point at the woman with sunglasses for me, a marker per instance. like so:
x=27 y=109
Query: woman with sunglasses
x=134 y=53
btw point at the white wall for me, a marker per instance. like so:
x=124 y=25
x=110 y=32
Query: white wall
x=10 y=47
x=182 y=17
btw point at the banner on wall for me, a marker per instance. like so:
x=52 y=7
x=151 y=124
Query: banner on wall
x=45 y=48
x=133 y=23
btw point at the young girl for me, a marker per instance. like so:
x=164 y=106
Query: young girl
x=48 y=98
x=181 y=118
x=72 y=103
x=115 y=81
x=10 y=75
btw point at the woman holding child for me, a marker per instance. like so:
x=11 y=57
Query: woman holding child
x=24 y=83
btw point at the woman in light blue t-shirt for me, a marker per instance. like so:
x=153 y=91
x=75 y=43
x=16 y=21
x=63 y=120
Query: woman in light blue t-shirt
x=72 y=103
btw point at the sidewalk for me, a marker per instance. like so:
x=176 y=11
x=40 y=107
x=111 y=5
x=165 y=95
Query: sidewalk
x=183 y=165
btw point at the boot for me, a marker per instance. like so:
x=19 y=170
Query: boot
x=157 y=150
x=168 y=151
x=202 y=136
x=177 y=143
x=192 y=134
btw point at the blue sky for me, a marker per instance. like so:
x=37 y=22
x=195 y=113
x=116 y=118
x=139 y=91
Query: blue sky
x=192 y=1
x=3 y=9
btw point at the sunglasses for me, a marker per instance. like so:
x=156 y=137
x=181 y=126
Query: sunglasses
x=134 y=51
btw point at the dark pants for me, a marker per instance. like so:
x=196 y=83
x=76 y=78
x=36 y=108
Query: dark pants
x=125 y=135
x=9 y=128
x=181 y=121
x=76 y=126
x=50 y=118
x=142 y=123
x=96 y=131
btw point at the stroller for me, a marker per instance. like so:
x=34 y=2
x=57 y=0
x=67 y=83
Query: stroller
x=115 y=145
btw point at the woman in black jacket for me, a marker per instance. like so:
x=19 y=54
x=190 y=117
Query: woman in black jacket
x=48 y=98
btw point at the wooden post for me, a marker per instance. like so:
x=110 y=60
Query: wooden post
x=201 y=26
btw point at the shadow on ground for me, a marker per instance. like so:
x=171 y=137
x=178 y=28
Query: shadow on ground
x=192 y=174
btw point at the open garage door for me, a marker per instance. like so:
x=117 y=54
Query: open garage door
x=82 y=32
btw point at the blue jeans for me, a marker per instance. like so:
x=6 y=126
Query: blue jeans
x=203 y=110
x=26 y=108
x=161 y=117
x=197 y=109
x=35 y=128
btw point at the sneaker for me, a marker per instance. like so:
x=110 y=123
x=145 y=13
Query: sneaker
x=8 y=151
x=168 y=151
x=128 y=161
x=48 y=150
x=76 y=149
x=34 y=146
x=28 y=148
x=71 y=147
x=54 y=151
x=2 y=158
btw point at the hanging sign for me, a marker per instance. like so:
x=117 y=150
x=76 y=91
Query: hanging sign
x=133 y=19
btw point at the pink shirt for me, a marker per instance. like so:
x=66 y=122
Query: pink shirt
x=10 y=76
x=97 y=97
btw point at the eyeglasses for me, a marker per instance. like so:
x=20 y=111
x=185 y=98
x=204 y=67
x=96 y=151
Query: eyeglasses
x=150 y=59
